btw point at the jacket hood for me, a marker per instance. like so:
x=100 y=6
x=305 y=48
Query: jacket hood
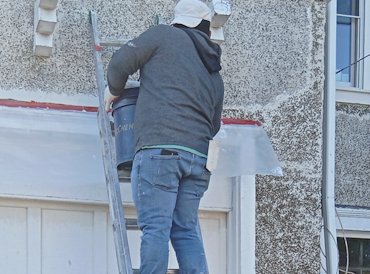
x=209 y=52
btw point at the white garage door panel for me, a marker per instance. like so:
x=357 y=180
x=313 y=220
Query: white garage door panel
x=13 y=240
x=214 y=232
x=61 y=238
x=67 y=242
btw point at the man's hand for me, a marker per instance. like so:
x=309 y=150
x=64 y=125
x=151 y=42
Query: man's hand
x=109 y=98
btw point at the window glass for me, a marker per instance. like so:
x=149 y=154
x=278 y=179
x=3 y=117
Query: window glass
x=348 y=7
x=344 y=48
x=347 y=41
x=354 y=248
x=366 y=253
x=359 y=255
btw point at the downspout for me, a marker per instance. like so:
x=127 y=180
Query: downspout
x=329 y=111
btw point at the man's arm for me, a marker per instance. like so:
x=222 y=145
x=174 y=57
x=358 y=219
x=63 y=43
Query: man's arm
x=217 y=118
x=129 y=58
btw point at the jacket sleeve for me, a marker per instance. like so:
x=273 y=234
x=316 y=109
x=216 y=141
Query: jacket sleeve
x=216 y=121
x=129 y=58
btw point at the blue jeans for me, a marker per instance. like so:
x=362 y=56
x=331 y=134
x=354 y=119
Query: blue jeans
x=167 y=190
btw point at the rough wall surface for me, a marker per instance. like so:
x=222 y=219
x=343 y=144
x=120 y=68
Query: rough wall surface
x=273 y=70
x=352 y=155
x=70 y=69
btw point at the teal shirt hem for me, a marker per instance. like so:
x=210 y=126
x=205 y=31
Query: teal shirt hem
x=188 y=149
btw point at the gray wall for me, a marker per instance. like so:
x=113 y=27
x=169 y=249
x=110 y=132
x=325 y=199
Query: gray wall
x=353 y=155
x=274 y=73
x=273 y=70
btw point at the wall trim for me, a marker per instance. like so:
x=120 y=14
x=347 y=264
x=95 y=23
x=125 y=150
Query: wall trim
x=352 y=95
x=353 y=222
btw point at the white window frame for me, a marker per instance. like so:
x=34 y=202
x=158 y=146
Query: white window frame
x=359 y=94
x=353 y=223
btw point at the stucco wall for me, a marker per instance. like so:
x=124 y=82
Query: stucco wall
x=273 y=71
x=352 y=155
x=70 y=69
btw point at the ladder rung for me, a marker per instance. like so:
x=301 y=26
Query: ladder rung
x=113 y=42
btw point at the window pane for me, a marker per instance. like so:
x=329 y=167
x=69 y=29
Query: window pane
x=342 y=253
x=348 y=7
x=343 y=48
x=354 y=246
x=366 y=254
x=353 y=250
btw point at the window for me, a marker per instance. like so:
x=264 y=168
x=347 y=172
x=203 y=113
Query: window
x=353 y=51
x=347 y=40
x=358 y=255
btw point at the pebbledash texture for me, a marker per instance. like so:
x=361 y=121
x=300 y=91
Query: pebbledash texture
x=273 y=69
x=352 y=155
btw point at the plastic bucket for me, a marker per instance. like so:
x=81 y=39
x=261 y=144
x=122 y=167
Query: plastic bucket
x=123 y=111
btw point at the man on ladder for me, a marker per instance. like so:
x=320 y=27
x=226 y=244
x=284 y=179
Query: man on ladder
x=177 y=113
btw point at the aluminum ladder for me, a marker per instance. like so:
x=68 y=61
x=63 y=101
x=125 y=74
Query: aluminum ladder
x=108 y=153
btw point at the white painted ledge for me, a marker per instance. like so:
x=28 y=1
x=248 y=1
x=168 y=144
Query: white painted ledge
x=353 y=222
x=352 y=95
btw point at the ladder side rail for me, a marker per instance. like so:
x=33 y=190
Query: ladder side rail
x=113 y=189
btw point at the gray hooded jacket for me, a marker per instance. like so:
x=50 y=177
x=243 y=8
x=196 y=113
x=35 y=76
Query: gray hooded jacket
x=181 y=91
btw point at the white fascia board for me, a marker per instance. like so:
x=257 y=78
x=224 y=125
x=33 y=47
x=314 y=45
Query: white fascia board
x=47 y=154
x=56 y=155
x=29 y=119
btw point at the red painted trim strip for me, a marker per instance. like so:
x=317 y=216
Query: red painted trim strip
x=54 y=106
x=231 y=121
x=33 y=104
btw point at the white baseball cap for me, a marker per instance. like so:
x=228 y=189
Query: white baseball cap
x=191 y=12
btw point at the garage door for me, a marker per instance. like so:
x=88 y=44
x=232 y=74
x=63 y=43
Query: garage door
x=65 y=238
